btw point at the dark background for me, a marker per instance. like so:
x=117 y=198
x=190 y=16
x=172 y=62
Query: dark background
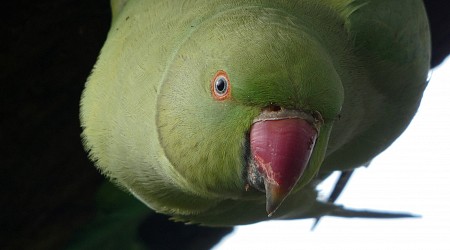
x=48 y=185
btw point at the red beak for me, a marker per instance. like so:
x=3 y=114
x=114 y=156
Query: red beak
x=280 y=151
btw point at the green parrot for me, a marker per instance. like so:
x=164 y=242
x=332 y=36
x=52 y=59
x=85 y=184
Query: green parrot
x=225 y=112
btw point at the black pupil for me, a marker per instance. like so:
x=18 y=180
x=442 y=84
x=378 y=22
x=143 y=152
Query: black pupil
x=221 y=85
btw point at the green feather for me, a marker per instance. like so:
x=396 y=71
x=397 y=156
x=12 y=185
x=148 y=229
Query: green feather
x=151 y=125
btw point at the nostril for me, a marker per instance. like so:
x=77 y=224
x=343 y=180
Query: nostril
x=273 y=108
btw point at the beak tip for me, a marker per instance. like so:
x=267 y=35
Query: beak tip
x=270 y=209
x=274 y=197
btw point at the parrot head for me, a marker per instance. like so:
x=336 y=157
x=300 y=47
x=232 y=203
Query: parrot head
x=246 y=108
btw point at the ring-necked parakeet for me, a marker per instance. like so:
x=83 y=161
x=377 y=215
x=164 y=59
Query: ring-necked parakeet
x=224 y=112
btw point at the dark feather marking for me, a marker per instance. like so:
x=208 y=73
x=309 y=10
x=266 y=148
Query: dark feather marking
x=337 y=190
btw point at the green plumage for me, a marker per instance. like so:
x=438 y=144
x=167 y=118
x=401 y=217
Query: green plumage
x=151 y=124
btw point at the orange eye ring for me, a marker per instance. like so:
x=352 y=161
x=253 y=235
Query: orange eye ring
x=220 y=86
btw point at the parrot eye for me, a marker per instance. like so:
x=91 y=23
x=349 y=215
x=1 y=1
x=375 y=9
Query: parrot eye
x=220 y=86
